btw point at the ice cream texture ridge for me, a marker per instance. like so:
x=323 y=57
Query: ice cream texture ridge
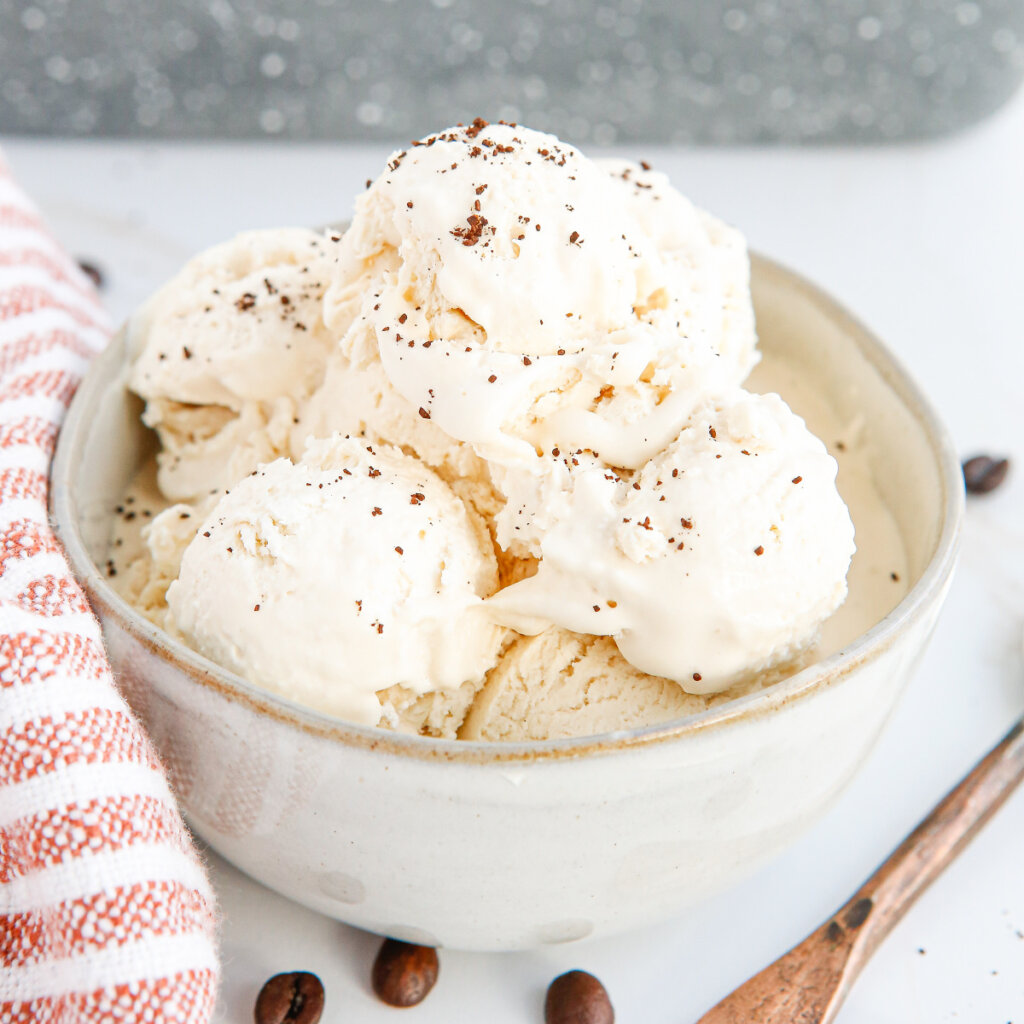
x=482 y=465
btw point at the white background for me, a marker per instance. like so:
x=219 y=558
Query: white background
x=926 y=245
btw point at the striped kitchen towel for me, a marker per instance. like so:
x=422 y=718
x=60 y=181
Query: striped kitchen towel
x=105 y=910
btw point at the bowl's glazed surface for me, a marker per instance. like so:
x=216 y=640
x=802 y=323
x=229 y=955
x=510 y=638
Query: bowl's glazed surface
x=506 y=846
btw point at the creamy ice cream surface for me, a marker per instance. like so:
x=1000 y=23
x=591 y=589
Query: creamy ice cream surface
x=508 y=399
x=350 y=571
x=721 y=556
x=524 y=298
x=225 y=353
x=560 y=684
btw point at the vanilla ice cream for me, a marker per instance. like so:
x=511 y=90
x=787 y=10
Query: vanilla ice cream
x=346 y=573
x=566 y=684
x=721 y=556
x=508 y=398
x=562 y=684
x=524 y=298
x=226 y=351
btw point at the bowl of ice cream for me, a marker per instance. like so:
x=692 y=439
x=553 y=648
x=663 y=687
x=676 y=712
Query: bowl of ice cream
x=488 y=594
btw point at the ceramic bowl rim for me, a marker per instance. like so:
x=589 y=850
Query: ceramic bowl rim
x=836 y=667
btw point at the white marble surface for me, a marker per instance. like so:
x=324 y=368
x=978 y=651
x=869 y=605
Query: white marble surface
x=925 y=244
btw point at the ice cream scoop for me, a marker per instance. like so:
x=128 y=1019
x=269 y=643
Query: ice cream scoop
x=560 y=684
x=226 y=350
x=550 y=351
x=721 y=556
x=525 y=297
x=351 y=571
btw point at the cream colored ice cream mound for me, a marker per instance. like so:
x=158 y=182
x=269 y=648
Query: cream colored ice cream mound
x=352 y=571
x=721 y=557
x=225 y=353
x=707 y=263
x=521 y=297
x=516 y=352
x=560 y=684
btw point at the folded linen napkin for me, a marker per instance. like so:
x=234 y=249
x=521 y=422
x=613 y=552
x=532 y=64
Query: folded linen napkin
x=105 y=910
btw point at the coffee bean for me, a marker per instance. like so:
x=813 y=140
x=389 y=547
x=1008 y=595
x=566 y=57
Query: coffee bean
x=404 y=974
x=577 y=998
x=92 y=272
x=984 y=473
x=293 y=998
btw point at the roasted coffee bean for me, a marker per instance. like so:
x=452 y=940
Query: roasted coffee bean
x=92 y=272
x=984 y=473
x=404 y=974
x=577 y=998
x=293 y=998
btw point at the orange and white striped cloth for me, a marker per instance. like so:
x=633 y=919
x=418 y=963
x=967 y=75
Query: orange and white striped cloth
x=106 y=913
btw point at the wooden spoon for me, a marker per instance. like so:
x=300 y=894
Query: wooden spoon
x=809 y=983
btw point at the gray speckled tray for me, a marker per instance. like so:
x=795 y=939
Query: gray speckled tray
x=716 y=71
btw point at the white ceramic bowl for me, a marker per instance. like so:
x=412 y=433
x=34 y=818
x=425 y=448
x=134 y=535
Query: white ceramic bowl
x=507 y=846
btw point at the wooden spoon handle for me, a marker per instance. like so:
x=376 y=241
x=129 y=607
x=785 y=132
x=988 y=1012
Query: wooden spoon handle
x=887 y=895
x=809 y=983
